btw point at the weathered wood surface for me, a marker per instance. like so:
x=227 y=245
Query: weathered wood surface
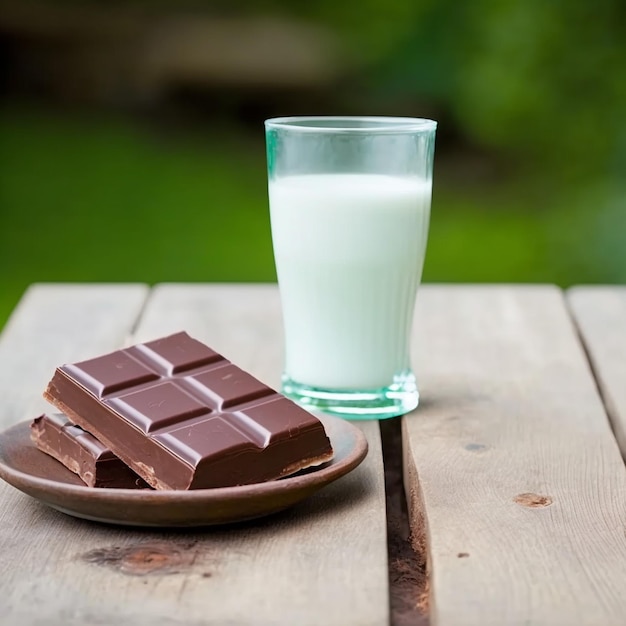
x=520 y=478
x=54 y=324
x=43 y=578
x=243 y=322
x=600 y=314
x=324 y=561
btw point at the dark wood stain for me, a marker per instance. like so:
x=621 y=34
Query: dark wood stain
x=141 y=559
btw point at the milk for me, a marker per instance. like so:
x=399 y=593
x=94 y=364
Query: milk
x=349 y=250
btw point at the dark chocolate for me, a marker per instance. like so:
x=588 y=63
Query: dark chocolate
x=183 y=417
x=82 y=453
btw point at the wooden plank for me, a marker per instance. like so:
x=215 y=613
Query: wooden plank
x=323 y=562
x=600 y=314
x=511 y=459
x=52 y=324
x=243 y=322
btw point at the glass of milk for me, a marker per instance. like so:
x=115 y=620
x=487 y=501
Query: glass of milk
x=349 y=207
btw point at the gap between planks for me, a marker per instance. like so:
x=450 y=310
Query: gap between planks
x=406 y=548
x=512 y=460
x=335 y=559
x=599 y=313
x=324 y=559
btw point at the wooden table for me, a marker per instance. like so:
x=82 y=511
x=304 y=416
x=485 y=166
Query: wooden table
x=515 y=483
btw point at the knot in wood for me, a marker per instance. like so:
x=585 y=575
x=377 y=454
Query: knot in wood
x=142 y=559
x=533 y=500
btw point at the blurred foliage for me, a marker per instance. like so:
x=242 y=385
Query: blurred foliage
x=530 y=175
x=102 y=200
x=540 y=80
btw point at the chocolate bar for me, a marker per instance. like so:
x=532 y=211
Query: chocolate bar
x=82 y=453
x=184 y=417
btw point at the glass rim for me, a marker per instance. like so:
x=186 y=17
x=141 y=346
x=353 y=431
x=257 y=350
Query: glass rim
x=348 y=124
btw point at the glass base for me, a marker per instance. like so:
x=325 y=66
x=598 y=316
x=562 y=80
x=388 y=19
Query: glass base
x=396 y=399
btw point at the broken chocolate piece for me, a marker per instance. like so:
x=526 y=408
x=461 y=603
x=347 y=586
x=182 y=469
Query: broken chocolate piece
x=183 y=417
x=82 y=453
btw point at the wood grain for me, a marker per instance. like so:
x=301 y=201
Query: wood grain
x=243 y=322
x=323 y=562
x=600 y=315
x=55 y=324
x=40 y=549
x=511 y=460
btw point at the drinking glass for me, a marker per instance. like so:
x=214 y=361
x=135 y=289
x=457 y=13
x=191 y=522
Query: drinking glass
x=349 y=208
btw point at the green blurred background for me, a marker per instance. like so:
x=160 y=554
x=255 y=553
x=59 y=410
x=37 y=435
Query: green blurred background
x=131 y=137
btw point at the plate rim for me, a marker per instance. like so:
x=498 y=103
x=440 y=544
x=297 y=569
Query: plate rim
x=319 y=478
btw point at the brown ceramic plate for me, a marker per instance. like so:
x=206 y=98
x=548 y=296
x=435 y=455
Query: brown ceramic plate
x=42 y=477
